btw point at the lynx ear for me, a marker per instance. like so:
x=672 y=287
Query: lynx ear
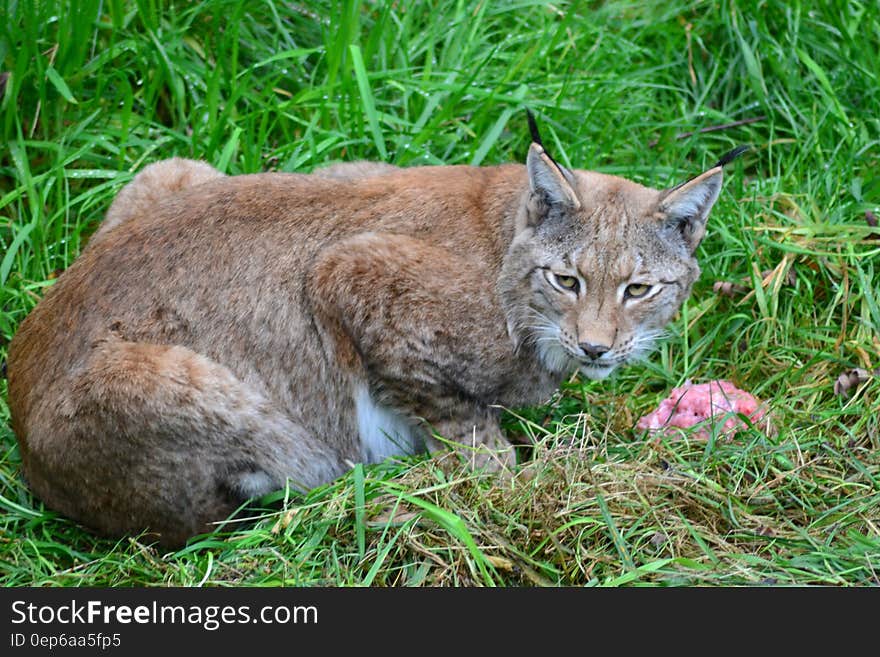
x=687 y=206
x=549 y=180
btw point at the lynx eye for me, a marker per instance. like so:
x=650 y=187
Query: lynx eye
x=562 y=282
x=636 y=290
x=568 y=283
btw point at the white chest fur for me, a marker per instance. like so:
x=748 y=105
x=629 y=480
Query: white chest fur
x=383 y=432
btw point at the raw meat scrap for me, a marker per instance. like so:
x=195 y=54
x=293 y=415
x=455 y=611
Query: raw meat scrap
x=717 y=404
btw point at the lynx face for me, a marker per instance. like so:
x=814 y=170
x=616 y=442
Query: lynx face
x=597 y=309
x=600 y=265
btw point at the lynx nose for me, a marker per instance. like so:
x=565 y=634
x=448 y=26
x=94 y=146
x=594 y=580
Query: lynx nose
x=593 y=350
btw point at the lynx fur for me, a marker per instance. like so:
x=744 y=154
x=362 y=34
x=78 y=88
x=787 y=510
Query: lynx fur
x=222 y=336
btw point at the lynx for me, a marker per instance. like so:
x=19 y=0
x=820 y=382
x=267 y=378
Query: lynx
x=223 y=336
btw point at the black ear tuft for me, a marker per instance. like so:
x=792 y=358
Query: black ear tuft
x=727 y=158
x=536 y=139
x=533 y=128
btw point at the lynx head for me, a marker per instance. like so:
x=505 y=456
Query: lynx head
x=599 y=264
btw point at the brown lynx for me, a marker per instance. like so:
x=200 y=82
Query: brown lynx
x=223 y=335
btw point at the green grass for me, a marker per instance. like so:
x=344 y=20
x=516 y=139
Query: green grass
x=98 y=89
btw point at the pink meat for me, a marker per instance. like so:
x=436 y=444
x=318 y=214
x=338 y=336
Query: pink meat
x=718 y=401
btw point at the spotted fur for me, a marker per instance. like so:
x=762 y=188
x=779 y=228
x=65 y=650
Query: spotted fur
x=225 y=335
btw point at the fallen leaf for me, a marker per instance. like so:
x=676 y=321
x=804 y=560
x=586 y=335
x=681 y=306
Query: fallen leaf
x=500 y=562
x=728 y=289
x=849 y=380
x=871 y=220
x=284 y=521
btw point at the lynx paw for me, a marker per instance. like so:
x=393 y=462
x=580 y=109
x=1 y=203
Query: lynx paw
x=479 y=443
x=493 y=459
